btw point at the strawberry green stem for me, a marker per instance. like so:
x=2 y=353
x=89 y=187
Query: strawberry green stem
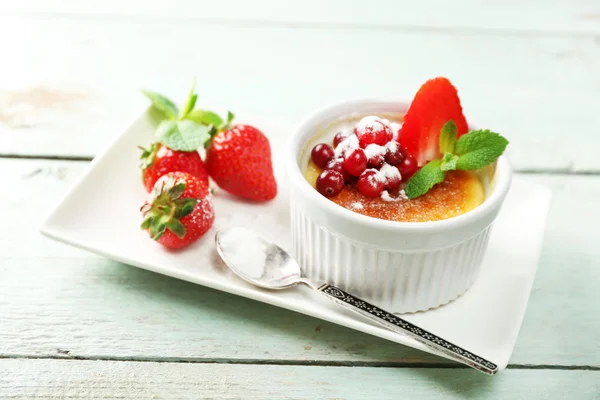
x=216 y=130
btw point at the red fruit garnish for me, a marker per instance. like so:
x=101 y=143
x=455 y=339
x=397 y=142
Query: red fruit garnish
x=375 y=155
x=159 y=160
x=376 y=161
x=239 y=161
x=355 y=161
x=330 y=183
x=178 y=211
x=338 y=165
x=394 y=155
x=372 y=130
x=321 y=154
x=435 y=103
x=408 y=167
x=370 y=183
x=338 y=138
x=392 y=176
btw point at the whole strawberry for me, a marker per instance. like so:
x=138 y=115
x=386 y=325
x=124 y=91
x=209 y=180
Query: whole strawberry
x=159 y=160
x=178 y=211
x=238 y=159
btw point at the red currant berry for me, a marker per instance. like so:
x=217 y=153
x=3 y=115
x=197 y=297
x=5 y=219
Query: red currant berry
x=370 y=183
x=355 y=161
x=321 y=154
x=376 y=161
x=338 y=138
x=392 y=177
x=337 y=165
x=408 y=167
x=375 y=155
x=330 y=183
x=403 y=151
x=372 y=130
x=394 y=155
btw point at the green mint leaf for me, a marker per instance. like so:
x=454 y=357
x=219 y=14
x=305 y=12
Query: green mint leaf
x=428 y=176
x=230 y=117
x=477 y=149
x=183 y=135
x=191 y=101
x=175 y=226
x=448 y=162
x=162 y=103
x=189 y=106
x=448 y=137
x=205 y=117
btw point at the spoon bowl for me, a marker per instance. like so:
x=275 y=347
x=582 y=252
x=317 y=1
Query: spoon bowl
x=256 y=260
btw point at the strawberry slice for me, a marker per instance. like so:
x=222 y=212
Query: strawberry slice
x=435 y=103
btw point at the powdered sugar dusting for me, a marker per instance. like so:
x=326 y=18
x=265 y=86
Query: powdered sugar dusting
x=345 y=131
x=389 y=172
x=392 y=146
x=386 y=122
x=243 y=251
x=385 y=196
x=373 y=150
x=380 y=177
x=357 y=205
x=351 y=142
x=370 y=122
x=395 y=127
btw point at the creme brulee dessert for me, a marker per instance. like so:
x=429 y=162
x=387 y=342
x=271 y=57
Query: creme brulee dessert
x=421 y=189
x=359 y=163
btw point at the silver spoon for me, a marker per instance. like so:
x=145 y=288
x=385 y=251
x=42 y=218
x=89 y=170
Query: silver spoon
x=264 y=264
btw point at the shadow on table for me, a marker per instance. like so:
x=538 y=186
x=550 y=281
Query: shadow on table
x=290 y=338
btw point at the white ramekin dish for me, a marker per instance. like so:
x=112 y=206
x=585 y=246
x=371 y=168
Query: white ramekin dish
x=398 y=266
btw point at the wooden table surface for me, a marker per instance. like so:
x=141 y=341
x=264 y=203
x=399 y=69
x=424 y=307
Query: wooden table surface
x=75 y=325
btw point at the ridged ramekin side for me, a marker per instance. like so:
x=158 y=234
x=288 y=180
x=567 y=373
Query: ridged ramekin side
x=393 y=280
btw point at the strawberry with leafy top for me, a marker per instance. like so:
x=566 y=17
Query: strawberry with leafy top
x=238 y=159
x=179 y=135
x=159 y=160
x=178 y=211
x=435 y=103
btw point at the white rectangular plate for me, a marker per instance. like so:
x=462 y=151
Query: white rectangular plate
x=101 y=214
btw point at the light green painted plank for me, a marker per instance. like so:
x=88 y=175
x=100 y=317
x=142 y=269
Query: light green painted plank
x=72 y=85
x=575 y=16
x=28 y=379
x=564 y=306
x=55 y=299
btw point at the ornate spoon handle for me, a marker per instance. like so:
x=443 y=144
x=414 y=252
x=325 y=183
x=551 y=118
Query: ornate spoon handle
x=403 y=327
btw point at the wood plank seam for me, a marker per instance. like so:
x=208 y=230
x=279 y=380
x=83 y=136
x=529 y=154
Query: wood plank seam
x=45 y=157
x=315 y=363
